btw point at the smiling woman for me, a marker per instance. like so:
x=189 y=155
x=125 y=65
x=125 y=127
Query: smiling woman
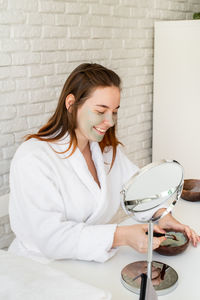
x=90 y=83
x=65 y=180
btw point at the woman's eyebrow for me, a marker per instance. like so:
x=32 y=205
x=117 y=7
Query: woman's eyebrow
x=105 y=106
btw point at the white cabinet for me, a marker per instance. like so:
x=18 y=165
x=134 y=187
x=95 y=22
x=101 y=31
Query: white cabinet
x=176 y=104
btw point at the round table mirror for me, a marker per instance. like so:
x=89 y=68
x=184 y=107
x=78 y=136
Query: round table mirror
x=155 y=185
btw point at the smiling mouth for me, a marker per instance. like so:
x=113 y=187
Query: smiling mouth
x=100 y=130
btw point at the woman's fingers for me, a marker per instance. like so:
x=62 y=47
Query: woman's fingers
x=192 y=235
x=157 y=241
x=158 y=229
x=188 y=232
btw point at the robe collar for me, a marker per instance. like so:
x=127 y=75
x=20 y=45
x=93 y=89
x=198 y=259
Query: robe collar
x=79 y=165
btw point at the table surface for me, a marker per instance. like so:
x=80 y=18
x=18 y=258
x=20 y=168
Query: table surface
x=107 y=275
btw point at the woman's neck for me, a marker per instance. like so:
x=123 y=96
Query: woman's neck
x=83 y=143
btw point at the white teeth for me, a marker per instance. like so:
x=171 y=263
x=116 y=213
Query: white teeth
x=101 y=130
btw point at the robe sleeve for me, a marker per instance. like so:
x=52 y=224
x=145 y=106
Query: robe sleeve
x=37 y=216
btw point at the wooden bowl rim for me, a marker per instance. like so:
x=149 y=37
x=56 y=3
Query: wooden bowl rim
x=163 y=249
x=192 y=182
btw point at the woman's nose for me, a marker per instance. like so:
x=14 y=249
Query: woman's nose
x=109 y=119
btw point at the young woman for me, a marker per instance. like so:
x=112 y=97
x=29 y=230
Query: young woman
x=66 y=179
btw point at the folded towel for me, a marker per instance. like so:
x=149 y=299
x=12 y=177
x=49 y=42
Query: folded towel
x=24 y=279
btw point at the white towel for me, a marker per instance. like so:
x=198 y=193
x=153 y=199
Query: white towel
x=24 y=279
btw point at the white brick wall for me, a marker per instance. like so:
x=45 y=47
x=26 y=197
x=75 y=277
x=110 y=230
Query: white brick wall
x=41 y=42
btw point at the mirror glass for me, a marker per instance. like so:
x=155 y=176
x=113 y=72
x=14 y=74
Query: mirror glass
x=153 y=185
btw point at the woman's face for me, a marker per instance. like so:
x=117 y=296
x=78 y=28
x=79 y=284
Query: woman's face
x=98 y=113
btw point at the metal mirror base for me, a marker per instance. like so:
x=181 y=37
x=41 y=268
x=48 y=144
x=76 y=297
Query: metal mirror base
x=168 y=275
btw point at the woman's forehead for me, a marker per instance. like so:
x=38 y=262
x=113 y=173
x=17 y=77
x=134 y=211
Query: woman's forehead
x=105 y=96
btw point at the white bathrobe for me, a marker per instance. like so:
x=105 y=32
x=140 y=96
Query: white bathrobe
x=57 y=210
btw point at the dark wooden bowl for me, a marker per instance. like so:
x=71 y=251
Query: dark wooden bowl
x=191 y=190
x=172 y=248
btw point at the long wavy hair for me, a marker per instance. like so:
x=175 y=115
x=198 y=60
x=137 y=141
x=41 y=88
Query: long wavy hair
x=81 y=83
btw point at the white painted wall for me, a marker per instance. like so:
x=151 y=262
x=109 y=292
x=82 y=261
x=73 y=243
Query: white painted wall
x=176 y=116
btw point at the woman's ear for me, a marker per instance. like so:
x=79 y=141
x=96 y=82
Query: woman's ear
x=69 y=101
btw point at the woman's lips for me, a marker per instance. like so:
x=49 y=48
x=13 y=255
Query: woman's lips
x=100 y=130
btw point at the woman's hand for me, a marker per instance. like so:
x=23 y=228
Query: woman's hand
x=135 y=237
x=169 y=222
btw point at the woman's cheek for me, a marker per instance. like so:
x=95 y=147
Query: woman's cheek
x=95 y=119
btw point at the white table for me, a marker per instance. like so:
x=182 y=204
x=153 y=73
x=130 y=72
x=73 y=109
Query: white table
x=107 y=275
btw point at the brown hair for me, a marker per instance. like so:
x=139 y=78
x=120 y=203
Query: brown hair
x=81 y=83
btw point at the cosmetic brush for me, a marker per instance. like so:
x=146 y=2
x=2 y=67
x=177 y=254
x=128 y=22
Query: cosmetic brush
x=167 y=235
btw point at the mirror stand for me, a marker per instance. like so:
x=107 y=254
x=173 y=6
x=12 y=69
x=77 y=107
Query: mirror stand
x=150 y=249
x=156 y=184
